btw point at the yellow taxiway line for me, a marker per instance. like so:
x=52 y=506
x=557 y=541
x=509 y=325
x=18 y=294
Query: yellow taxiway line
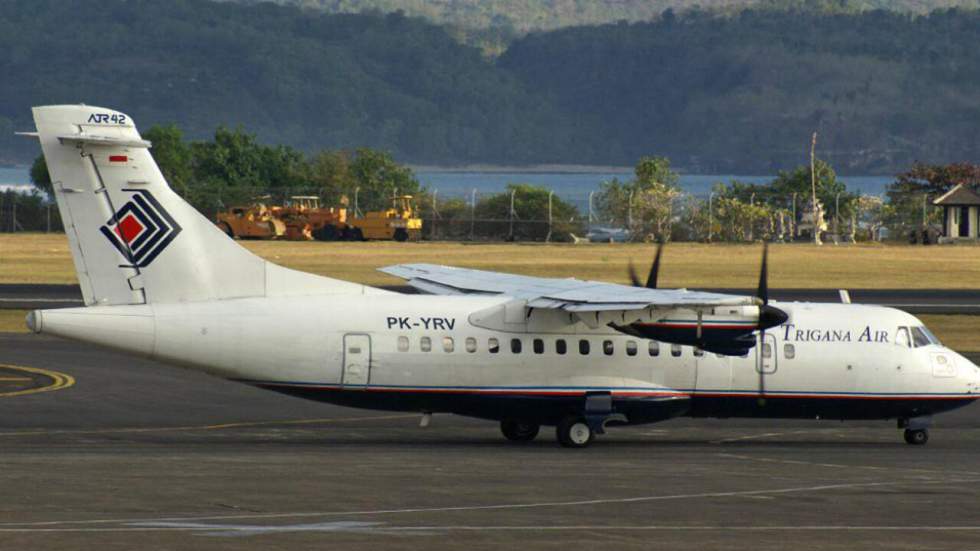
x=60 y=381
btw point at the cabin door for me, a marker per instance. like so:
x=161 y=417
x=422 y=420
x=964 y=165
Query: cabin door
x=964 y=219
x=766 y=355
x=357 y=359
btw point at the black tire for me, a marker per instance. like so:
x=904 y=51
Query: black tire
x=401 y=235
x=574 y=432
x=356 y=234
x=326 y=233
x=916 y=437
x=519 y=431
x=227 y=229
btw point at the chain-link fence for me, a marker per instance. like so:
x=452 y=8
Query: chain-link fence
x=543 y=215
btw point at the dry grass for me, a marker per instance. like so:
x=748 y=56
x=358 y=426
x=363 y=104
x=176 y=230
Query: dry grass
x=12 y=321
x=44 y=258
x=961 y=333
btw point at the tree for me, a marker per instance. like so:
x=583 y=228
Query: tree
x=914 y=189
x=172 y=155
x=530 y=215
x=40 y=177
x=379 y=178
x=644 y=204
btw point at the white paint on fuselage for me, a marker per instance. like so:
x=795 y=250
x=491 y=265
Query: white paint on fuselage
x=300 y=340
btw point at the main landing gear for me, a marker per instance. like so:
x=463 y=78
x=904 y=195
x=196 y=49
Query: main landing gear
x=916 y=430
x=519 y=431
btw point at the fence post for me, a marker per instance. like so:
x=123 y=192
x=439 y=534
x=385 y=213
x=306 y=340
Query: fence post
x=13 y=211
x=752 y=217
x=547 y=239
x=472 y=213
x=588 y=229
x=432 y=232
x=49 y=218
x=510 y=233
x=711 y=219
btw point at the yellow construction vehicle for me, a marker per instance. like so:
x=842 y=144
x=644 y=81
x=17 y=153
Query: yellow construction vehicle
x=399 y=222
x=251 y=222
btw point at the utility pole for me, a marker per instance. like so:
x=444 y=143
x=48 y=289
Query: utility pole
x=813 y=184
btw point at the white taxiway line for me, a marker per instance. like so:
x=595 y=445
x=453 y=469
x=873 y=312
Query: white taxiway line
x=31 y=526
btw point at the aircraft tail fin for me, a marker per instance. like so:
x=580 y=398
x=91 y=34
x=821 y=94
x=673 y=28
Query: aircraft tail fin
x=135 y=241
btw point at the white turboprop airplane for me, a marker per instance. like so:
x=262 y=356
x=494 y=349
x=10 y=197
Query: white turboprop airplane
x=160 y=280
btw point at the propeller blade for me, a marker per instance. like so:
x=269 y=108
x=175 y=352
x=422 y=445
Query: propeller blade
x=655 y=268
x=762 y=370
x=634 y=279
x=763 y=291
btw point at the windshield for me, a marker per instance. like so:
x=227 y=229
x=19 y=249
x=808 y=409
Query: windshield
x=923 y=337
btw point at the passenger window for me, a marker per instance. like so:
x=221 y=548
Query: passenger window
x=654 y=348
x=425 y=344
x=902 y=337
x=789 y=351
x=631 y=348
x=919 y=338
x=515 y=346
x=538 y=346
x=583 y=347
x=447 y=344
x=698 y=352
x=560 y=346
x=470 y=345
x=403 y=344
x=675 y=350
x=766 y=350
x=607 y=348
x=493 y=345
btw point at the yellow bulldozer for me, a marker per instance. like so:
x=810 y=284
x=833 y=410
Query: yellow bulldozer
x=302 y=218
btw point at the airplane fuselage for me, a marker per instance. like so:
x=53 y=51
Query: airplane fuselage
x=432 y=354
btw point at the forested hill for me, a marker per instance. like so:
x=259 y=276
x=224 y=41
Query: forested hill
x=737 y=94
x=746 y=92
x=309 y=80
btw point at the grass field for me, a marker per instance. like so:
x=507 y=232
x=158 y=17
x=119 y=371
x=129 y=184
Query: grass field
x=44 y=258
x=957 y=332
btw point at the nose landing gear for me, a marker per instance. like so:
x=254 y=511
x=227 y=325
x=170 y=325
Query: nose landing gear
x=916 y=429
x=916 y=437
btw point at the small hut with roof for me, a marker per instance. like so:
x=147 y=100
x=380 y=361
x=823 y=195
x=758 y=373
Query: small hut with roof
x=960 y=209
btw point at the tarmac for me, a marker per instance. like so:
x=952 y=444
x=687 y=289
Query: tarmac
x=914 y=301
x=106 y=451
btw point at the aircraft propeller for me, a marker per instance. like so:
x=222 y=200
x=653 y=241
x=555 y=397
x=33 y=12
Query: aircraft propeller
x=654 y=270
x=769 y=316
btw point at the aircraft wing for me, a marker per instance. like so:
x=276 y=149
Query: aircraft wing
x=570 y=295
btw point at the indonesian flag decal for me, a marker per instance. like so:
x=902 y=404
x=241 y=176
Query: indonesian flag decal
x=141 y=229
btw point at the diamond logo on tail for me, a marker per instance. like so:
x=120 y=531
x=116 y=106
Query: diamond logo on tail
x=141 y=229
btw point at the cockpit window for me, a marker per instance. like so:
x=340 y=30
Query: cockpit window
x=922 y=337
x=932 y=336
x=902 y=337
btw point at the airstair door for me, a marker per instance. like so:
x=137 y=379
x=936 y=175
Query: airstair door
x=357 y=359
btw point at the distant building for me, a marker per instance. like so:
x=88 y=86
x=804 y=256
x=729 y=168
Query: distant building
x=960 y=209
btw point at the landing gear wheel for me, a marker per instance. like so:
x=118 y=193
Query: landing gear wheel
x=916 y=437
x=574 y=432
x=519 y=431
